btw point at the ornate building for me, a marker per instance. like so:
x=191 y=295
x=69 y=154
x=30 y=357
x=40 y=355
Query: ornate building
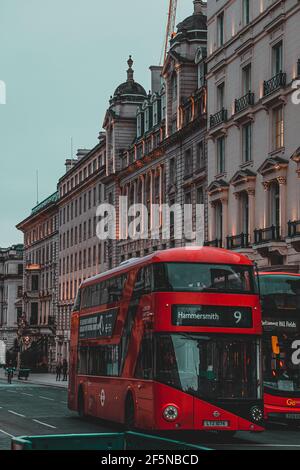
x=11 y=293
x=37 y=330
x=155 y=142
x=81 y=253
x=253 y=136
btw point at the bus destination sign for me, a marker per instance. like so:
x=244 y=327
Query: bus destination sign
x=99 y=325
x=212 y=316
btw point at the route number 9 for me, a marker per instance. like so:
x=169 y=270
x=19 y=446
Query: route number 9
x=237 y=316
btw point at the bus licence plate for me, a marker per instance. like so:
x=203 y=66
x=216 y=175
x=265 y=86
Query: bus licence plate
x=292 y=416
x=216 y=424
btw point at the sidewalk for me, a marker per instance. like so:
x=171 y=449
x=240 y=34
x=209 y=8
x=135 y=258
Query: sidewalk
x=38 y=379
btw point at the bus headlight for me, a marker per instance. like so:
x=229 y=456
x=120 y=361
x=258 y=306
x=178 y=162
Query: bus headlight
x=256 y=414
x=170 y=413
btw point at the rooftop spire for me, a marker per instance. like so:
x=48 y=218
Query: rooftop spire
x=198 y=7
x=130 y=71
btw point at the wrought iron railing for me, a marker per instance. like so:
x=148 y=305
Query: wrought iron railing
x=274 y=83
x=217 y=243
x=218 y=118
x=266 y=235
x=294 y=228
x=244 y=102
x=238 y=241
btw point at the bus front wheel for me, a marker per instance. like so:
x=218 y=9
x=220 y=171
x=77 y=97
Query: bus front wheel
x=129 y=412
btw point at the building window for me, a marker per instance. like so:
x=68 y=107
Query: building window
x=34 y=313
x=188 y=163
x=221 y=155
x=247 y=85
x=219 y=220
x=220 y=29
x=201 y=74
x=172 y=171
x=20 y=269
x=34 y=283
x=247 y=143
x=278 y=128
x=174 y=86
x=163 y=105
x=275 y=204
x=277 y=58
x=200 y=157
x=220 y=96
x=200 y=195
x=244 y=204
x=246 y=12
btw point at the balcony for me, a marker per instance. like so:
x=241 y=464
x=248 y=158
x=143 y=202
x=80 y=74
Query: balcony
x=244 y=102
x=238 y=241
x=218 y=118
x=217 y=243
x=294 y=229
x=267 y=235
x=276 y=82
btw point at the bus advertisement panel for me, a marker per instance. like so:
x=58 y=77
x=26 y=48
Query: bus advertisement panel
x=280 y=293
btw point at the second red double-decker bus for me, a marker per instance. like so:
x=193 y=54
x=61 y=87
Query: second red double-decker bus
x=280 y=293
x=171 y=341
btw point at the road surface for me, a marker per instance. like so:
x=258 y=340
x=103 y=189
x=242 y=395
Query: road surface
x=27 y=409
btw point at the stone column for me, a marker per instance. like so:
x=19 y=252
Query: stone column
x=212 y=222
x=266 y=186
x=251 y=202
x=151 y=197
x=225 y=221
x=283 y=203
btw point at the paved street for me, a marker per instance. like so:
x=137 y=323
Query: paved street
x=30 y=409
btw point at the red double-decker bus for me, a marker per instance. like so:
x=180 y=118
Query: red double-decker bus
x=280 y=293
x=171 y=341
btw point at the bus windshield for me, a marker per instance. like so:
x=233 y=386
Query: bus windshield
x=209 y=366
x=198 y=277
x=280 y=292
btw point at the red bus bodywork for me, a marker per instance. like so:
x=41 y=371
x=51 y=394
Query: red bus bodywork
x=280 y=405
x=106 y=397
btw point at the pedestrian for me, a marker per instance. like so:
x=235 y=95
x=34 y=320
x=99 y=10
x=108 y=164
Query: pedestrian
x=65 y=369
x=58 y=371
x=10 y=372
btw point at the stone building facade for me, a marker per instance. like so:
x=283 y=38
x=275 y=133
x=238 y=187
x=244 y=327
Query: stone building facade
x=40 y=285
x=81 y=253
x=253 y=136
x=11 y=294
x=156 y=149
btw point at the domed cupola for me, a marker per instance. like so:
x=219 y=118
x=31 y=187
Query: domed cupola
x=129 y=90
x=193 y=27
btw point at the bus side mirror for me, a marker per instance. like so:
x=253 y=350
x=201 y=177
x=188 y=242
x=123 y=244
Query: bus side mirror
x=275 y=345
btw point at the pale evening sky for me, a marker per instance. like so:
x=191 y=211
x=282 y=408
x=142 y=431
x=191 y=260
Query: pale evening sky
x=61 y=60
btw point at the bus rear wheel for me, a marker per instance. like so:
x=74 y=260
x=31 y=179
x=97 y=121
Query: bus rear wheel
x=129 y=412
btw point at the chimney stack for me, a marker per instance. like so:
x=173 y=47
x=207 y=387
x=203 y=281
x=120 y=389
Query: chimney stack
x=199 y=7
x=156 y=84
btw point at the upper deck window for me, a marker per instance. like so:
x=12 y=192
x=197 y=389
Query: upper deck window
x=198 y=277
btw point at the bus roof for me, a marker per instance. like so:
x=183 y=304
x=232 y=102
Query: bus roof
x=191 y=254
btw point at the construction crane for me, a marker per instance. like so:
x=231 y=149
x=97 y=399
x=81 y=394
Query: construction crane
x=170 y=25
